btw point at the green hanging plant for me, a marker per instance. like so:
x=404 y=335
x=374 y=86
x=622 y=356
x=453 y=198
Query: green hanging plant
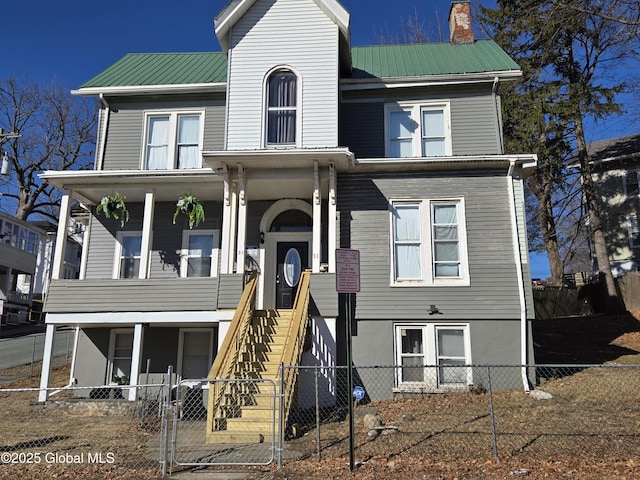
x=191 y=207
x=114 y=206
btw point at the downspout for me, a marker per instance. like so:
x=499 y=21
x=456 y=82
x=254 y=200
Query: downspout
x=103 y=134
x=518 y=260
x=494 y=89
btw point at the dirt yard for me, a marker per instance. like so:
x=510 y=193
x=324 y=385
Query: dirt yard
x=423 y=448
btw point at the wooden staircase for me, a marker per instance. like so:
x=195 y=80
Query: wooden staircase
x=246 y=409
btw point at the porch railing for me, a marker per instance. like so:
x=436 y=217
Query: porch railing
x=292 y=353
x=227 y=357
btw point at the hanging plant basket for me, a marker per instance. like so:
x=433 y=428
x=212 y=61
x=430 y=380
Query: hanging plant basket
x=114 y=206
x=191 y=207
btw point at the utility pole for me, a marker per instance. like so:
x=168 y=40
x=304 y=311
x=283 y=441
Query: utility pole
x=5 y=157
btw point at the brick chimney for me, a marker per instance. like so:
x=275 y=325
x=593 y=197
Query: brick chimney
x=460 y=23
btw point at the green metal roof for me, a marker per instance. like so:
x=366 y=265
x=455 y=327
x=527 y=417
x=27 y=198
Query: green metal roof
x=382 y=61
x=138 y=69
x=392 y=61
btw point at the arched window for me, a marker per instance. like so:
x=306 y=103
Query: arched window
x=282 y=108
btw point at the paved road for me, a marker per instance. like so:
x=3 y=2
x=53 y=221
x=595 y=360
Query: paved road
x=23 y=350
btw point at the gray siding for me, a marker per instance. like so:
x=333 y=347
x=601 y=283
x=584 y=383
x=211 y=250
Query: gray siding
x=492 y=343
x=132 y=295
x=364 y=225
x=474 y=118
x=123 y=150
x=167 y=239
x=324 y=295
x=19 y=260
x=230 y=290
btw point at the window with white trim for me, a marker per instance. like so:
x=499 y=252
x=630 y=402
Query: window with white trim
x=282 y=108
x=418 y=130
x=173 y=140
x=127 y=255
x=634 y=231
x=432 y=357
x=120 y=354
x=428 y=242
x=199 y=253
x=631 y=182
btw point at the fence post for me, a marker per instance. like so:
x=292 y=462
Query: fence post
x=165 y=424
x=280 y=417
x=33 y=355
x=494 y=437
x=317 y=412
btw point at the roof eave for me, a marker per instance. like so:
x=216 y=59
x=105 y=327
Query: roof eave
x=124 y=90
x=429 y=80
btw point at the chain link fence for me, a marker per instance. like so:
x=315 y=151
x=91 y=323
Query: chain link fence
x=468 y=412
x=442 y=412
x=21 y=357
x=84 y=432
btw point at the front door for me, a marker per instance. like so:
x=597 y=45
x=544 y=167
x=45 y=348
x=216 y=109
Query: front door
x=292 y=260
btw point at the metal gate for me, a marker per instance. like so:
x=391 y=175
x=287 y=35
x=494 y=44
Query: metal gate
x=243 y=432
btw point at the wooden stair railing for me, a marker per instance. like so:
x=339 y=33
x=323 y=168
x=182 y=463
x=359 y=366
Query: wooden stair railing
x=227 y=357
x=292 y=352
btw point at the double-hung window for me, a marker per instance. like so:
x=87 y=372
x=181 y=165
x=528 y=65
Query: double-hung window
x=428 y=242
x=431 y=356
x=418 y=130
x=127 y=255
x=120 y=351
x=173 y=140
x=631 y=182
x=282 y=108
x=199 y=253
x=634 y=231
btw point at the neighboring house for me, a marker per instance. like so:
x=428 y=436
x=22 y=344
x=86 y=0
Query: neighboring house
x=26 y=260
x=616 y=171
x=297 y=143
x=20 y=245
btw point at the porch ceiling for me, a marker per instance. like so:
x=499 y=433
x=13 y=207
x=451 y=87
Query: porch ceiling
x=90 y=186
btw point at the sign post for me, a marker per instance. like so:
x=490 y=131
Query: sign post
x=348 y=281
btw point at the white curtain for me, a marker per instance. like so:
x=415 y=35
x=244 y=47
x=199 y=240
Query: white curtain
x=282 y=108
x=445 y=241
x=188 y=133
x=158 y=143
x=407 y=242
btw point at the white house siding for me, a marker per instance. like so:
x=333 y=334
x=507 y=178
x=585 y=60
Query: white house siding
x=294 y=33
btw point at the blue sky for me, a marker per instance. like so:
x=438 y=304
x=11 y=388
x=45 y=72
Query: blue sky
x=71 y=41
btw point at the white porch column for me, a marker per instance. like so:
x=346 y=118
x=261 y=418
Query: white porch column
x=57 y=271
x=46 y=362
x=317 y=221
x=85 y=250
x=147 y=234
x=226 y=224
x=242 y=221
x=136 y=360
x=233 y=225
x=332 y=219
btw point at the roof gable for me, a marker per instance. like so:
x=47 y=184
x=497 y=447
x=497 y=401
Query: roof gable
x=235 y=9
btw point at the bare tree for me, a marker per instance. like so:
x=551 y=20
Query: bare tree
x=56 y=132
x=571 y=53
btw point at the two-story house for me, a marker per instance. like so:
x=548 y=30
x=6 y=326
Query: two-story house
x=296 y=144
x=615 y=167
x=20 y=244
